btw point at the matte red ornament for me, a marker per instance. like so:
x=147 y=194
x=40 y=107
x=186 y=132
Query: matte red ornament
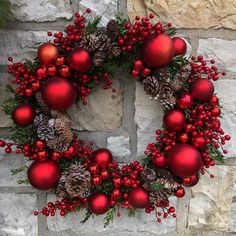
x=58 y=93
x=159 y=161
x=183 y=137
x=174 y=120
x=190 y=181
x=158 y=50
x=139 y=198
x=23 y=115
x=180 y=46
x=99 y=203
x=202 y=90
x=44 y=175
x=103 y=157
x=80 y=60
x=47 y=53
x=184 y=160
x=185 y=101
x=179 y=192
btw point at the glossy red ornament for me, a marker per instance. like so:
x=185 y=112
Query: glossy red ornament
x=51 y=70
x=23 y=115
x=138 y=65
x=47 y=53
x=60 y=61
x=180 y=46
x=179 y=192
x=184 y=160
x=202 y=90
x=139 y=198
x=102 y=157
x=159 y=161
x=174 y=120
x=58 y=93
x=44 y=175
x=135 y=73
x=99 y=203
x=80 y=60
x=64 y=71
x=190 y=181
x=41 y=72
x=183 y=137
x=158 y=50
x=185 y=101
x=96 y=180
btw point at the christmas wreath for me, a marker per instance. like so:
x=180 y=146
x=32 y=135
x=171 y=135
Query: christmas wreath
x=67 y=70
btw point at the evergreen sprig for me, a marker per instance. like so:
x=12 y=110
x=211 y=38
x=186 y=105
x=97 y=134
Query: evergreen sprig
x=92 y=25
x=19 y=170
x=132 y=212
x=157 y=187
x=88 y=214
x=4 y=12
x=109 y=217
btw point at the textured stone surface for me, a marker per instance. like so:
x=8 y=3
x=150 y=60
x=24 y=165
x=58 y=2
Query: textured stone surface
x=187 y=13
x=232 y=222
x=16 y=215
x=143 y=223
x=5 y=120
x=7 y=163
x=223 y=51
x=226 y=91
x=148 y=117
x=21 y=45
x=41 y=10
x=102 y=113
x=211 y=202
x=106 y=8
x=119 y=146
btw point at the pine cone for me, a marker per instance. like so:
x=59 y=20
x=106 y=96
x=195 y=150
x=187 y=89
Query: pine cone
x=45 y=109
x=177 y=84
x=163 y=75
x=168 y=103
x=43 y=129
x=89 y=42
x=63 y=116
x=112 y=29
x=166 y=90
x=74 y=183
x=185 y=71
x=100 y=30
x=114 y=50
x=99 y=57
x=149 y=174
x=151 y=86
x=103 y=42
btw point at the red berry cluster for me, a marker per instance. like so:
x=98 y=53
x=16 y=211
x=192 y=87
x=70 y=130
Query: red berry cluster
x=8 y=147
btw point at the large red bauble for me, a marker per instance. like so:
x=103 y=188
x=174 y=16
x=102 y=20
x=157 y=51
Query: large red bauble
x=139 y=198
x=185 y=101
x=23 y=115
x=58 y=93
x=47 y=53
x=158 y=50
x=190 y=181
x=102 y=157
x=80 y=60
x=184 y=160
x=180 y=46
x=202 y=90
x=174 y=120
x=99 y=203
x=44 y=175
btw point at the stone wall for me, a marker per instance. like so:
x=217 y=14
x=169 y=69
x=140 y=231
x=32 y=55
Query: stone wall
x=126 y=122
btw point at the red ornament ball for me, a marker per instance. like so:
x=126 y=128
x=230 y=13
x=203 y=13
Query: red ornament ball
x=174 y=120
x=80 y=60
x=190 y=181
x=99 y=203
x=185 y=101
x=58 y=93
x=139 y=198
x=202 y=90
x=180 y=46
x=44 y=175
x=184 y=160
x=103 y=157
x=23 y=115
x=179 y=192
x=158 y=50
x=47 y=53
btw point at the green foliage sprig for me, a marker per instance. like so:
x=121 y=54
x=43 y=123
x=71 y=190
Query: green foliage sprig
x=4 y=12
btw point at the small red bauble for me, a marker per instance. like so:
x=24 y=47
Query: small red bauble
x=96 y=180
x=23 y=115
x=102 y=157
x=183 y=138
x=80 y=60
x=216 y=111
x=190 y=181
x=180 y=46
x=179 y=192
x=99 y=203
x=64 y=71
x=159 y=161
x=41 y=72
x=58 y=93
x=139 y=198
x=202 y=90
x=47 y=53
x=185 y=101
x=44 y=175
x=158 y=50
x=174 y=120
x=184 y=160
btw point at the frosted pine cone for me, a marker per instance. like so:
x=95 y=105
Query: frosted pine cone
x=45 y=109
x=112 y=29
x=89 y=42
x=148 y=174
x=99 y=57
x=163 y=75
x=168 y=103
x=151 y=86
